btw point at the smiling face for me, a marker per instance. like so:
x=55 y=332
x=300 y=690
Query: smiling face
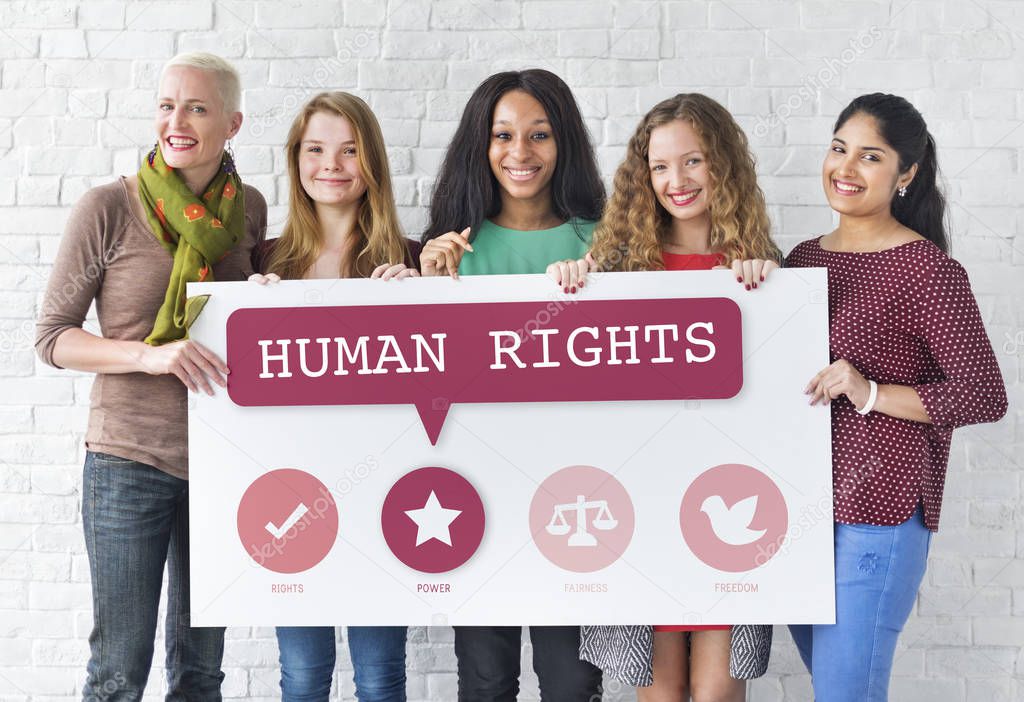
x=191 y=123
x=522 y=151
x=861 y=172
x=328 y=163
x=679 y=170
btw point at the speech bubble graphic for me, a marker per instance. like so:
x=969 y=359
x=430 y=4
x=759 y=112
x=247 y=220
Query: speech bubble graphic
x=437 y=355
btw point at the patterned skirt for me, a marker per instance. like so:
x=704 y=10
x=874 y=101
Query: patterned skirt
x=626 y=652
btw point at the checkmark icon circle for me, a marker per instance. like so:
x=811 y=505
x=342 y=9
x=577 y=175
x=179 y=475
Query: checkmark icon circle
x=287 y=520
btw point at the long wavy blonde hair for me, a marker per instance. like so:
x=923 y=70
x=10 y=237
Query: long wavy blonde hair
x=634 y=225
x=377 y=225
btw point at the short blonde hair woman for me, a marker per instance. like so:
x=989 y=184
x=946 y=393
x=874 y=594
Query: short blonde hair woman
x=132 y=246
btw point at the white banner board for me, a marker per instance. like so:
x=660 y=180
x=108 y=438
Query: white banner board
x=575 y=508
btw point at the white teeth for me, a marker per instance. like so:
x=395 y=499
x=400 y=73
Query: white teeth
x=684 y=197
x=847 y=188
x=521 y=172
x=178 y=141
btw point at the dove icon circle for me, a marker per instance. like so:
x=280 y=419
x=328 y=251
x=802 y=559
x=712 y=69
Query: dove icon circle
x=733 y=517
x=731 y=524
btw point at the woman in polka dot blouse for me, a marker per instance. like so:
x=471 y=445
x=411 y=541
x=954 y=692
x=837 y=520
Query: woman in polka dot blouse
x=911 y=362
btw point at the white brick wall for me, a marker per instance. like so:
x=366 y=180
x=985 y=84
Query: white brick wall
x=76 y=81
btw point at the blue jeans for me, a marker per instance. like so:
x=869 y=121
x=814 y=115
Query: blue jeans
x=308 y=655
x=878 y=572
x=135 y=519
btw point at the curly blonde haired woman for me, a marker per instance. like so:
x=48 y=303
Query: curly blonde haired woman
x=685 y=198
x=697 y=195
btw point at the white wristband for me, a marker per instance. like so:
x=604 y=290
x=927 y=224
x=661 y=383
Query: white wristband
x=872 y=396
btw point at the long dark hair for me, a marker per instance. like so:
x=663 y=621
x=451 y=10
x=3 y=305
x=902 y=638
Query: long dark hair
x=902 y=126
x=466 y=192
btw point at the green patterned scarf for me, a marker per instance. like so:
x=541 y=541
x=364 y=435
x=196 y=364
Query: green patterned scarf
x=197 y=233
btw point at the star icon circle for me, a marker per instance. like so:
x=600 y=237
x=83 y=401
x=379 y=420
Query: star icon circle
x=433 y=520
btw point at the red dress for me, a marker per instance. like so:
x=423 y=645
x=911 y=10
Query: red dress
x=691 y=262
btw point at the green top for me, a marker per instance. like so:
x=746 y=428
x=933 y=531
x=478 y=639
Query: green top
x=499 y=250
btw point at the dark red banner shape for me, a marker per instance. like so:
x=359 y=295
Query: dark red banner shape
x=437 y=355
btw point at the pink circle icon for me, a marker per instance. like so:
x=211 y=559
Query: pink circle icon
x=733 y=517
x=287 y=521
x=581 y=519
x=433 y=520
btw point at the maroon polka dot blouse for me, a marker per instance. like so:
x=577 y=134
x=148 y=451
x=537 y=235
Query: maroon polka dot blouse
x=904 y=316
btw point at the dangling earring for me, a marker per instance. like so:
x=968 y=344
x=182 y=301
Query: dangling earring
x=903 y=191
x=152 y=154
x=229 y=158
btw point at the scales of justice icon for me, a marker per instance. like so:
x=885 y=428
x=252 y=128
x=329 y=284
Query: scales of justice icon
x=602 y=521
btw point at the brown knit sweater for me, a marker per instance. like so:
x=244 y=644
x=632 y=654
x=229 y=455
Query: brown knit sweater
x=110 y=255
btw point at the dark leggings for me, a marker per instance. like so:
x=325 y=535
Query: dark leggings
x=489 y=664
